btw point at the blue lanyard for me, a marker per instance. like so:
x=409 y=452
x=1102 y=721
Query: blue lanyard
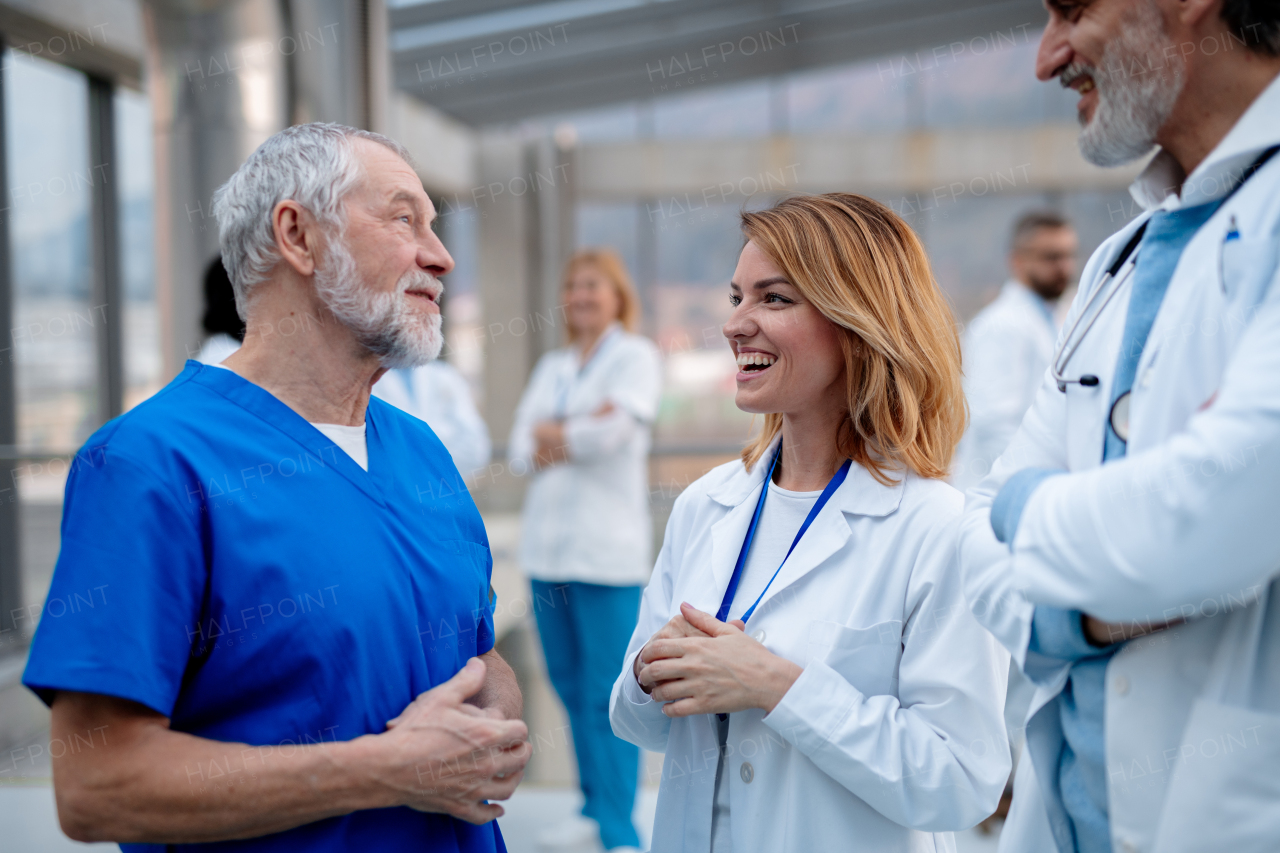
x=723 y=613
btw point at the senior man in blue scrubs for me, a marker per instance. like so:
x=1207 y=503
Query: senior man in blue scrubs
x=291 y=640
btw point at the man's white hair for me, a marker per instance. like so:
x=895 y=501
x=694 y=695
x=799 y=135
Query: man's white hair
x=312 y=164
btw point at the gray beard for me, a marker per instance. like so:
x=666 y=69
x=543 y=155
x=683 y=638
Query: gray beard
x=1134 y=99
x=383 y=323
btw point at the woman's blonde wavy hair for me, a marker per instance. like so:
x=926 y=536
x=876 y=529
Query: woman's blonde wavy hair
x=866 y=271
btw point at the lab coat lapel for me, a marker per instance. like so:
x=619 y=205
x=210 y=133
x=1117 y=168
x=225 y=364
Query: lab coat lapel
x=740 y=494
x=264 y=404
x=860 y=494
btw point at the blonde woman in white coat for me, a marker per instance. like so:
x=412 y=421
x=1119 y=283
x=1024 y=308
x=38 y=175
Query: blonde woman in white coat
x=859 y=708
x=582 y=428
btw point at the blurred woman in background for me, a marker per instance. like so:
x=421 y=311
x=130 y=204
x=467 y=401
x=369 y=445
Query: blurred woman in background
x=582 y=429
x=805 y=656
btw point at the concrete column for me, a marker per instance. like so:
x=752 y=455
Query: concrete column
x=504 y=280
x=551 y=203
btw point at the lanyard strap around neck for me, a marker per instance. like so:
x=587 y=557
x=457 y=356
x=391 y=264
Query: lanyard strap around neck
x=723 y=613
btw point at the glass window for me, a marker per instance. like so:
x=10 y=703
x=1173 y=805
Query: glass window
x=861 y=98
x=697 y=253
x=50 y=185
x=54 y=323
x=720 y=111
x=612 y=225
x=968 y=245
x=991 y=81
x=135 y=178
x=606 y=124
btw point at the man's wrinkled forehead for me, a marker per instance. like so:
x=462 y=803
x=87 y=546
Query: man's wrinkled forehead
x=387 y=178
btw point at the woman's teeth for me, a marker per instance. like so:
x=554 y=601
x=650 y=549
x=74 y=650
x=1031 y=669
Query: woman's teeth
x=755 y=361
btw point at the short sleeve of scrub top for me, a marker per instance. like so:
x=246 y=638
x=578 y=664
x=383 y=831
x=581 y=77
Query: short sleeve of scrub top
x=225 y=564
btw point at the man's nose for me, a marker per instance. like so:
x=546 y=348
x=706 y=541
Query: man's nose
x=1055 y=51
x=433 y=256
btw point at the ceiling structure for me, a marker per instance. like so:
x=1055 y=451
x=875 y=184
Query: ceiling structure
x=487 y=61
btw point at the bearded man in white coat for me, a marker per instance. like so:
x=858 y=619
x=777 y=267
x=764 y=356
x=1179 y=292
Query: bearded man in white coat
x=1124 y=546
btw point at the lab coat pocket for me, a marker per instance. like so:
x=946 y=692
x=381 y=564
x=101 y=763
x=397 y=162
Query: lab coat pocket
x=865 y=657
x=1248 y=266
x=1225 y=785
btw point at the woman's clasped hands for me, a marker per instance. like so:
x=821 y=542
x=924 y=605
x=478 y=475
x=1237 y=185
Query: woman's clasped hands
x=696 y=664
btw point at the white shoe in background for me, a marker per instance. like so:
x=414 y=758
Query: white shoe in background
x=578 y=834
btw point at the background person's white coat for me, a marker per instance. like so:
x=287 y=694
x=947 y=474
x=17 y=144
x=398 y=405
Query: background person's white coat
x=1007 y=348
x=1183 y=525
x=891 y=737
x=589 y=520
x=440 y=396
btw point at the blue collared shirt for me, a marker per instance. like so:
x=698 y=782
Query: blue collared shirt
x=234 y=570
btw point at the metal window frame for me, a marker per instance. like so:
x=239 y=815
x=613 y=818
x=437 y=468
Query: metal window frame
x=10 y=552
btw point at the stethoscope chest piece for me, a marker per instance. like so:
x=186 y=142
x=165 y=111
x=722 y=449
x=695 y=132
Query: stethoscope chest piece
x=1119 y=417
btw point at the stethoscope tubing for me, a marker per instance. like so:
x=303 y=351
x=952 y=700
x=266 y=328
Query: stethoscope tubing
x=1070 y=342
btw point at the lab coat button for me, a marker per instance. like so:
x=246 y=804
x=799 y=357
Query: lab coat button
x=1128 y=847
x=747 y=772
x=758 y=636
x=1121 y=685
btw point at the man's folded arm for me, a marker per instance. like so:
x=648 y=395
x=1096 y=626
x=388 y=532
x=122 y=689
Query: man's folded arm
x=1155 y=535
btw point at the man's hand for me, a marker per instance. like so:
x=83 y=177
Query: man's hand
x=1100 y=633
x=677 y=628
x=444 y=755
x=722 y=672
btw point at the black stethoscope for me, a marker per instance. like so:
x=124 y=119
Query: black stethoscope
x=1119 y=414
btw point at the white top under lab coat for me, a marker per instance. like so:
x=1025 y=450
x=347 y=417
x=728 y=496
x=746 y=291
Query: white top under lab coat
x=1183 y=526
x=1007 y=348
x=893 y=735
x=588 y=520
x=440 y=395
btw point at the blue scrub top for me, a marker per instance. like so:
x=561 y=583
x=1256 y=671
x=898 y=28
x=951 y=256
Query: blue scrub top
x=227 y=565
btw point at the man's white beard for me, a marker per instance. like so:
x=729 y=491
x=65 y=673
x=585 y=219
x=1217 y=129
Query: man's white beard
x=384 y=323
x=1135 y=99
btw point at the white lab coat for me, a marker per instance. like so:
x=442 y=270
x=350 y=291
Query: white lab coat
x=893 y=735
x=1184 y=525
x=442 y=398
x=1007 y=348
x=588 y=520
x=217 y=348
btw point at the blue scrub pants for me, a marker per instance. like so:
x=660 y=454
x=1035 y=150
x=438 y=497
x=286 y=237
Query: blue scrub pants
x=585 y=629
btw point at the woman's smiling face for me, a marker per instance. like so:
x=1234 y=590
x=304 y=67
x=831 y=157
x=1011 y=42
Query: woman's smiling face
x=789 y=356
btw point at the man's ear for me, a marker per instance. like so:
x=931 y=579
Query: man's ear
x=297 y=236
x=1192 y=14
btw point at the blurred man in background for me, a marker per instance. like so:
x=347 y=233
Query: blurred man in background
x=1008 y=346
